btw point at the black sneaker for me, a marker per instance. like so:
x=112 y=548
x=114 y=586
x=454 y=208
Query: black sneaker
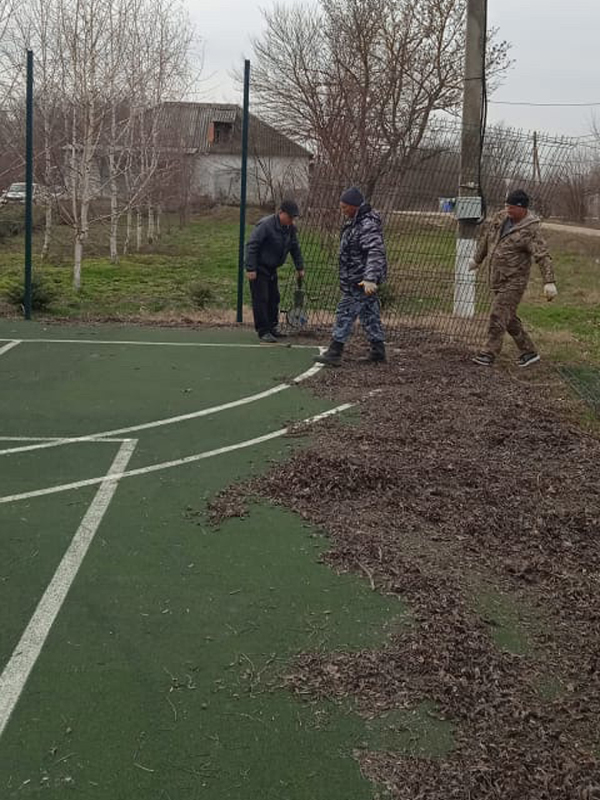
x=278 y=333
x=527 y=359
x=484 y=359
x=267 y=338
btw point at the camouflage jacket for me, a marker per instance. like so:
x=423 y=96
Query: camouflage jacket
x=362 y=251
x=509 y=254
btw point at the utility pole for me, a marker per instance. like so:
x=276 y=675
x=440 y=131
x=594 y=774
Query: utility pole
x=537 y=172
x=243 y=187
x=469 y=201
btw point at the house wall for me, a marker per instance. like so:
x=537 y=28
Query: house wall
x=269 y=178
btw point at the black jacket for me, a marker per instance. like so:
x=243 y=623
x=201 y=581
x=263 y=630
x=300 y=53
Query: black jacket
x=362 y=251
x=269 y=245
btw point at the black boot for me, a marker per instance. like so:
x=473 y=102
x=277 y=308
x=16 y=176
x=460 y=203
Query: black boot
x=376 y=354
x=332 y=357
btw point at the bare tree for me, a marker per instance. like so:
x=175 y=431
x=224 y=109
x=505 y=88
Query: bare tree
x=359 y=80
x=36 y=29
x=163 y=56
x=103 y=68
x=119 y=60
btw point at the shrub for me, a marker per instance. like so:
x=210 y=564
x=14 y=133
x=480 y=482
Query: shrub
x=202 y=296
x=42 y=294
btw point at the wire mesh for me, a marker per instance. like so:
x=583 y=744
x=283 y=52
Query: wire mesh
x=585 y=380
x=415 y=195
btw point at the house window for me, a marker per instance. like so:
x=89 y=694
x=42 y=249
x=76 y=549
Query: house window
x=222 y=132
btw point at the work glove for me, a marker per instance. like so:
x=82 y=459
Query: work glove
x=473 y=265
x=370 y=287
x=550 y=291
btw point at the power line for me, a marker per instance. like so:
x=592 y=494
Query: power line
x=545 y=105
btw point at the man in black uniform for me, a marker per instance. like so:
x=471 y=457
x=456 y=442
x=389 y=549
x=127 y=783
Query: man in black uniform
x=273 y=238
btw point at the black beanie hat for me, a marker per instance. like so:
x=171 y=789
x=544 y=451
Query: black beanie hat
x=290 y=207
x=352 y=197
x=518 y=198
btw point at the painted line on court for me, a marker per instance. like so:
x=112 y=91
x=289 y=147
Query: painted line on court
x=156 y=344
x=67 y=487
x=26 y=653
x=55 y=439
x=11 y=343
x=58 y=442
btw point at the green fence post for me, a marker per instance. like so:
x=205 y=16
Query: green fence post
x=28 y=184
x=240 y=292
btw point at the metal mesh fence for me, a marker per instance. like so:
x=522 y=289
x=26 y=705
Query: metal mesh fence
x=585 y=380
x=415 y=196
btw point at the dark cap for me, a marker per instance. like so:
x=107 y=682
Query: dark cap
x=290 y=207
x=518 y=198
x=352 y=197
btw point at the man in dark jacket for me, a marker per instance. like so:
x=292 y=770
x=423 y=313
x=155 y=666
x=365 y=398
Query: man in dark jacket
x=273 y=238
x=363 y=268
x=510 y=242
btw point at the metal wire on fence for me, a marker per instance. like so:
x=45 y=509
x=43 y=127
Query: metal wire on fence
x=585 y=380
x=415 y=195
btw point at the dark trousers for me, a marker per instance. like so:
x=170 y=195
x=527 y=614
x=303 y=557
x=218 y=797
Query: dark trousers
x=265 y=302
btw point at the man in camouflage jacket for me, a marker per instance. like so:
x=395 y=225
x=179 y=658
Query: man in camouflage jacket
x=363 y=268
x=510 y=242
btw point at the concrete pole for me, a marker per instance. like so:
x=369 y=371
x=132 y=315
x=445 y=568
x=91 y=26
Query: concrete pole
x=468 y=211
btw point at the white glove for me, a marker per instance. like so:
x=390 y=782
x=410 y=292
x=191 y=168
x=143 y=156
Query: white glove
x=370 y=287
x=550 y=291
x=473 y=265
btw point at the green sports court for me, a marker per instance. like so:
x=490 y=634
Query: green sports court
x=142 y=651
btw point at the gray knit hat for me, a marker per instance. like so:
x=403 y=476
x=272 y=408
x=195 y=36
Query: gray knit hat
x=352 y=197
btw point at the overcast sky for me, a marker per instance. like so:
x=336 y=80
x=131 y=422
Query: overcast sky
x=555 y=47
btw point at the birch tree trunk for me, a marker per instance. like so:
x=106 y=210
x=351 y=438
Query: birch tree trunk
x=158 y=221
x=114 y=192
x=114 y=221
x=47 y=230
x=151 y=228
x=77 y=261
x=128 y=225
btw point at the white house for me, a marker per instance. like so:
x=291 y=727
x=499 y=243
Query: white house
x=210 y=136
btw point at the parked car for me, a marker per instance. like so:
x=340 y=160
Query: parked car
x=16 y=193
x=42 y=195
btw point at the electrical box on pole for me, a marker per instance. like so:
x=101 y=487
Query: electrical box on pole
x=468 y=208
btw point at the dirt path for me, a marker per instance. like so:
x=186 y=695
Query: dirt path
x=557 y=226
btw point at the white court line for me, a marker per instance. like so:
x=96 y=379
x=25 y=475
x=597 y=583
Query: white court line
x=60 y=439
x=11 y=343
x=157 y=344
x=66 y=487
x=56 y=442
x=22 y=661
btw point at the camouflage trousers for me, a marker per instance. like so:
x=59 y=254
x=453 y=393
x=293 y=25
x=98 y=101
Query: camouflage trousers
x=355 y=303
x=503 y=319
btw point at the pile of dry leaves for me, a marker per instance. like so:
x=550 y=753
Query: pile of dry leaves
x=459 y=477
